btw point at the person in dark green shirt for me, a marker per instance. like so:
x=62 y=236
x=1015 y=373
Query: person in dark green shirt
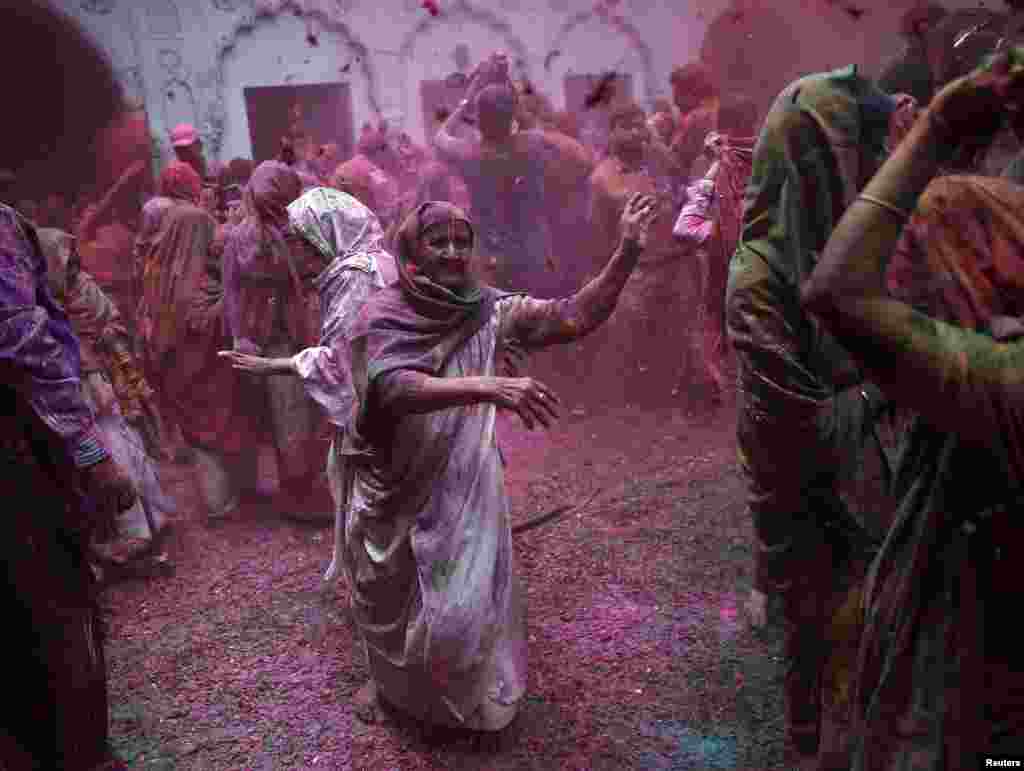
x=940 y=680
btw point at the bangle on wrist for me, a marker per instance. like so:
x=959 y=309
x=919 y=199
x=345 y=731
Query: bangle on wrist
x=892 y=208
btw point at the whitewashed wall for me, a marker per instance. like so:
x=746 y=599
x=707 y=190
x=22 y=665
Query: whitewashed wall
x=188 y=60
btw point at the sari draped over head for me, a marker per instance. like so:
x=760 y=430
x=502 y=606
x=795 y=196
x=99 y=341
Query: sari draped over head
x=181 y=182
x=960 y=260
x=427 y=548
x=179 y=321
x=174 y=275
x=349 y=235
x=105 y=342
x=106 y=347
x=258 y=267
x=417 y=324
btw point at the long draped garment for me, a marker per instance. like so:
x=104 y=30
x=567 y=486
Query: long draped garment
x=268 y=277
x=940 y=674
x=349 y=235
x=428 y=550
x=105 y=349
x=181 y=329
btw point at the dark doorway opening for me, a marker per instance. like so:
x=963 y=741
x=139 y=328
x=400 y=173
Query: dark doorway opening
x=314 y=113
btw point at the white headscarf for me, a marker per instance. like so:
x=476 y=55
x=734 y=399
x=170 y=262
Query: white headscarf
x=348 y=234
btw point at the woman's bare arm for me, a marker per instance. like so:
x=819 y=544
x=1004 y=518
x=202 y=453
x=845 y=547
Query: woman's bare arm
x=406 y=392
x=550 y=322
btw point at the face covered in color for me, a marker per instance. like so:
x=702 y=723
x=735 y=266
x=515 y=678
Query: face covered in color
x=444 y=253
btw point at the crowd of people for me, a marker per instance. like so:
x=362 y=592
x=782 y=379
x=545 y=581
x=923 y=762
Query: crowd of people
x=849 y=257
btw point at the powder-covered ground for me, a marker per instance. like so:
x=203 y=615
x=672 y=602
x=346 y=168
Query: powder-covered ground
x=641 y=657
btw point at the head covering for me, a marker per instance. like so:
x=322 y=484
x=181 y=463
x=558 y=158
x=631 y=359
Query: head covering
x=271 y=188
x=961 y=257
x=260 y=238
x=416 y=324
x=419 y=289
x=350 y=236
x=56 y=245
x=336 y=223
x=184 y=135
x=180 y=181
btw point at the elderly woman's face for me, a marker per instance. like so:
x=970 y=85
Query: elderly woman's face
x=445 y=249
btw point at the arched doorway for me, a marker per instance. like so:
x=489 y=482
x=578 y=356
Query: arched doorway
x=438 y=47
x=336 y=58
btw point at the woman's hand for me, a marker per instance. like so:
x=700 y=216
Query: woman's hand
x=532 y=400
x=972 y=109
x=258 y=365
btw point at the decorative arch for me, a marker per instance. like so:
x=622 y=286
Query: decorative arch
x=634 y=39
x=463 y=10
x=459 y=12
x=179 y=102
x=163 y=19
x=216 y=113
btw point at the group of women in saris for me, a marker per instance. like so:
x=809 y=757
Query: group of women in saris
x=407 y=372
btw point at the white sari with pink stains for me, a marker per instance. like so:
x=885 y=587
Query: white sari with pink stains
x=430 y=562
x=350 y=235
